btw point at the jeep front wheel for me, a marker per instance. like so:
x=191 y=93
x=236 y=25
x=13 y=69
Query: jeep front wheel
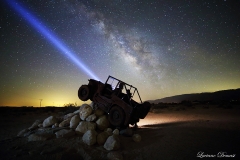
x=116 y=116
x=84 y=92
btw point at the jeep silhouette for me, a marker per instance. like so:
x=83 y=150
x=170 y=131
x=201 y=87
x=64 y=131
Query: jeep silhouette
x=115 y=98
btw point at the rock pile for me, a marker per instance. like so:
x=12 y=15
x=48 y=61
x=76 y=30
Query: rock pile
x=92 y=125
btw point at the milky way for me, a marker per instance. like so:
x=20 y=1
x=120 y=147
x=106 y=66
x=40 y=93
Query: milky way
x=164 y=48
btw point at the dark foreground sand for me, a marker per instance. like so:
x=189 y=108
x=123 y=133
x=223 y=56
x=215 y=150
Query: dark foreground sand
x=169 y=133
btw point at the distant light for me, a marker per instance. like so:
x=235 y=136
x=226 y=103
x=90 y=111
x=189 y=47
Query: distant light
x=51 y=37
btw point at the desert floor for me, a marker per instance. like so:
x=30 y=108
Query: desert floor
x=174 y=132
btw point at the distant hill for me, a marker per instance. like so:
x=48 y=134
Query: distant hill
x=223 y=95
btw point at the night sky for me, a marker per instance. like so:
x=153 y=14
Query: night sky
x=162 y=47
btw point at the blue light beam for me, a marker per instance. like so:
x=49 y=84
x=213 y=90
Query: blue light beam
x=51 y=37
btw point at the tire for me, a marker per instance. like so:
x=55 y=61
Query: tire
x=116 y=116
x=84 y=92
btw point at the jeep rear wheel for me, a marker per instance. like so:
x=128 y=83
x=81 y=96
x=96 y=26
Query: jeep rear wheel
x=116 y=116
x=84 y=92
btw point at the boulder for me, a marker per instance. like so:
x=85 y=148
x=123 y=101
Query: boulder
x=40 y=136
x=116 y=132
x=91 y=118
x=55 y=125
x=90 y=137
x=22 y=132
x=85 y=111
x=84 y=126
x=98 y=112
x=109 y=131
x=102 y=137
x=83 y=105
x=93 y=105
x=35 y=125
x=115 y=155
x=102 y=122
x=74 y=121
x=49 y=121
x=65 y=123
x=65 y=133
x=112 y=143
x=128 y=132
x=76 y=112
x=67 y=116
x=136 y=138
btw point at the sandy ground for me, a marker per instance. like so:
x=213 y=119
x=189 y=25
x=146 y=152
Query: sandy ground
x=170 y=133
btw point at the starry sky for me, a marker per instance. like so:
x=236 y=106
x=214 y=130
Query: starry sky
x=162 y=47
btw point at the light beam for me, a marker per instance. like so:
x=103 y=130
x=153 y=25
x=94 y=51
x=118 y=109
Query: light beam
x=50 y=36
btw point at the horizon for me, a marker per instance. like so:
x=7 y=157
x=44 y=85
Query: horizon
x=163 y=48
x=199 y=93
x=88 y=102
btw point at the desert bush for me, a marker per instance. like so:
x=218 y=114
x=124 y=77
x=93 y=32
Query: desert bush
x=70 y=105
